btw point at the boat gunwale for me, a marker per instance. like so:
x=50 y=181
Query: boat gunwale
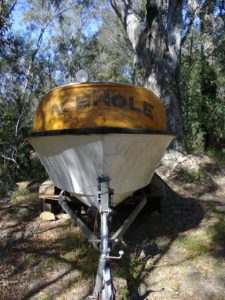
x=97 y=84
x=100 y=130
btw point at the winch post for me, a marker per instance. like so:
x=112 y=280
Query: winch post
x=104 y=199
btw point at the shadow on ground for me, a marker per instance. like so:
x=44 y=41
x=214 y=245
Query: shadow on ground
x=50 y=263
x=177 y=215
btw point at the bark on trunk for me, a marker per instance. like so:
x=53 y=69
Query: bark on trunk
x=156 y=40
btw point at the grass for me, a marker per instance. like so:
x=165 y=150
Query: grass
x=52 y=263
x=31 y=259
x=20 y=197
x=205 y=242
x=130 y=272
x=218 y=155
x=44 y=298
x=75 y=249
x=191 y=176
x=72 y=248
x=217 y=230
x=124 y=293
x=193 y=245
x=25 y=203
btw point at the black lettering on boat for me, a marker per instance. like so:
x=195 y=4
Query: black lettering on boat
x=147 y=110
x=104 y=100
x=132 y=105
x=119 y=101
x=68 y=105
x=83 y=102
x=55 y=109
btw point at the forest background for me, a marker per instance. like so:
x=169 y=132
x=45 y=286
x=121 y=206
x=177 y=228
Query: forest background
x=44 y=43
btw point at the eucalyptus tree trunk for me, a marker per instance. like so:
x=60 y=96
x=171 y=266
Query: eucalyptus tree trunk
x=156 y=39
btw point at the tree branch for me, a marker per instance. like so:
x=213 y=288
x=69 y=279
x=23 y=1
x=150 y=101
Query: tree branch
x=10 y=159
x=121 y=9
x=131 y=20
x=11 y=9
x=195 y=14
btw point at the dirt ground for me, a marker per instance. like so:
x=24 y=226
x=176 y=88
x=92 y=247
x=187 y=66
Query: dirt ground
x=176 y=254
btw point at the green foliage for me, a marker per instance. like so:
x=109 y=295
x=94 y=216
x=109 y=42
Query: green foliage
x=106 y=54
x=218 y=154
x=16 y=153
x=191 y=104
x=31 y=259
x=194 y=245
x=206 y=242
x=191 y=176
x=45 y=298
x=218 y=230
x=52 y=263
x=202 y=89
x=124 y=293
x=75 y=248
x=5 y=34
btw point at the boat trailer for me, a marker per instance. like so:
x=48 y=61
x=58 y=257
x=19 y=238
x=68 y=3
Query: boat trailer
x=105 y=243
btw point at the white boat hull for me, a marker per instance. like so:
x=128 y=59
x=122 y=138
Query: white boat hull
x=74 y=162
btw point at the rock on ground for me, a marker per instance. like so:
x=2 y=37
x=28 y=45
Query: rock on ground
x=47 y=216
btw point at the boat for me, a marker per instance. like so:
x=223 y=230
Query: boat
x=88 y=130
x=100 y=142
